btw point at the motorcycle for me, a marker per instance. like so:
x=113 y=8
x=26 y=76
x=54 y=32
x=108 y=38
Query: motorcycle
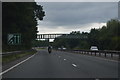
x=49 y=50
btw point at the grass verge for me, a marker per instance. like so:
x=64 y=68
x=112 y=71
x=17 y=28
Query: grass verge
x=9 y=58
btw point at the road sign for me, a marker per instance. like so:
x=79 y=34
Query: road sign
x=14 y=39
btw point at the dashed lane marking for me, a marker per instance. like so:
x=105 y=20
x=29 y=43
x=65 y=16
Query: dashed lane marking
x=65 y=59
x=74 y=65
x=16 y=65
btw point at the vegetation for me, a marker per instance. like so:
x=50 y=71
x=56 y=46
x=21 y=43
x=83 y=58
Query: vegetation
x=40 y=43
x=105 y=38
x=9 y=58
x=20 y=18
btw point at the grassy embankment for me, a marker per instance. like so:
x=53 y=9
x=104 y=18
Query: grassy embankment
x=10 y=58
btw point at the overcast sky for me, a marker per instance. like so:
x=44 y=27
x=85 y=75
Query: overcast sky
x=64 y=17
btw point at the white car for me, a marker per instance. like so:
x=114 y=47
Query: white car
x=94 y=48
x=64 y=48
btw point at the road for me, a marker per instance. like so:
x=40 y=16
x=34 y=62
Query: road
x=64 y=65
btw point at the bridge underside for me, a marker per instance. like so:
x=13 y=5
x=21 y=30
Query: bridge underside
x=53 y=36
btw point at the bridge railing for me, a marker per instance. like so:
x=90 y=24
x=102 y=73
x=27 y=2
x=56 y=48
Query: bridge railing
x=102 y=53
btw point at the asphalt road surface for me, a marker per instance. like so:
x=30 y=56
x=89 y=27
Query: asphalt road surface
x=64 y=65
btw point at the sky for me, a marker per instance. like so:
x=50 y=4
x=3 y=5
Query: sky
x=65 y=17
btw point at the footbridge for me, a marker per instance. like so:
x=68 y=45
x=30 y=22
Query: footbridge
x=53 y=36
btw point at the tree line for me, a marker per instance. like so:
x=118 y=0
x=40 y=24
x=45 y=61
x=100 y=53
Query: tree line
x=20 y=17
x=105 y=38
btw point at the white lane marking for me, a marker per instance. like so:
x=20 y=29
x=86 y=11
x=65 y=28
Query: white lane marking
x=16 y=65
x=64 y=59
x=59 y=56
x=74 y=65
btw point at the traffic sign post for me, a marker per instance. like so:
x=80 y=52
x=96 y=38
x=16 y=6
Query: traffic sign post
x=119 y=10
x=14 y=39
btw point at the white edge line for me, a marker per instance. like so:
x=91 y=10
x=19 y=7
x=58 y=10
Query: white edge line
x=16 y=65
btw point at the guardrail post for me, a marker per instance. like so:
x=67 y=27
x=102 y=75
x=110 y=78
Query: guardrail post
x=99 y=54
x=91 y=53
x=15 y=54
x=86 y=52
x=105 y=54
x=95 y=53
x=111 y=55
x=80 y=52
x=119 y=55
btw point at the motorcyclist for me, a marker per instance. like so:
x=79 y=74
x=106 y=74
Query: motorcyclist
x=49 y=49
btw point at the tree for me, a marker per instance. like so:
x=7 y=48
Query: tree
x=20 y=18
x=105 y=38
x=93 y=37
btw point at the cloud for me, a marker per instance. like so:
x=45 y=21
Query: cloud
x=69 y=15
x=62 y=29
x=76 y=0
